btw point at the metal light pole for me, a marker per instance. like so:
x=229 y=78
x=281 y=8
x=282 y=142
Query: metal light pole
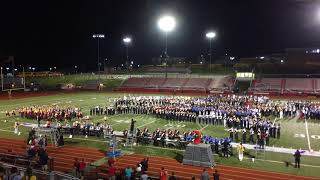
x=210 y=36
x=98 y=36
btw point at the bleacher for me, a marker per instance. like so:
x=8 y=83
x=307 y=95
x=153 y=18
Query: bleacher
x=182 y=85
x=286 y=86
x=91 y=85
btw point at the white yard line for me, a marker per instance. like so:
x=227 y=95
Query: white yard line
x=174 y=124
x=5 y=130
x=307 y=131
x=147 y=124
x=204 y=127
x=274 y=120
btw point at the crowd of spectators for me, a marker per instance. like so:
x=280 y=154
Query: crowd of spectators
x=14 y=174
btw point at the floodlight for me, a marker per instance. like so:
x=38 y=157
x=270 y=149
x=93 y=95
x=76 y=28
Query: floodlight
x=126 y=40
x=211 y=35
x=167 y=23
x=98 y=35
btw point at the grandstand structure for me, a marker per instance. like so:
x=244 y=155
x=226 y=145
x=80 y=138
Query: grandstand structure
x=213 y=84
x=286 y=86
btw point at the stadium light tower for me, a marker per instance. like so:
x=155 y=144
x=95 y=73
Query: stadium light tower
x=166 y=24
x=127 y=41
x=210 y=35
x=98 y=37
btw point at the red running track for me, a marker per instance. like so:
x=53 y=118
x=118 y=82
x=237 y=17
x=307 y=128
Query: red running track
x=64 y=158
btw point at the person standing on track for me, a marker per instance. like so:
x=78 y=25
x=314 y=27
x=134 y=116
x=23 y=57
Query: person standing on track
x=297 y=156
x=204 y=175
x=163 y=174
x=216 y=175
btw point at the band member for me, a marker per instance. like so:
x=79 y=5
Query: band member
x=251 y=136
x=267 y=136
x=231 y=133
x=240 y=151
x=197 y=139
x=278 y=131
x=236 y=135
x=16 y=127
x=244 y=135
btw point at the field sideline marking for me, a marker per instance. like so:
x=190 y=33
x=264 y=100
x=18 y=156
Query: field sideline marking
x=307 y=131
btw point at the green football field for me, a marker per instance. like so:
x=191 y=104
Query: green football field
x=293 y=132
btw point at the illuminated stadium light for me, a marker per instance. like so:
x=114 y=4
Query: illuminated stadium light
x=167 y=23
x=127 y=40
x=262 y=57
x=15 y=69
x=7 y=68
x=281 y=60
x=211 y=35
x=232 y=58
x=98 y=35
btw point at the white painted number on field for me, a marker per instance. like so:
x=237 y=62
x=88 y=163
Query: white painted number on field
x=315 y=136
x=304 y=136
x=299 y=135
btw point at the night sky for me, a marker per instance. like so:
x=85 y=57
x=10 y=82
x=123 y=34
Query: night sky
x=59 y=33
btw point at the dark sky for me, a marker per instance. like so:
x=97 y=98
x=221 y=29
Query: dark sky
x=60 y=32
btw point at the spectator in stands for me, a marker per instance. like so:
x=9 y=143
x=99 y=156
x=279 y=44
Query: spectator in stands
x=144 y=164
x=172 y=177
x=128 y=173
x=144 y=176
x=112 y=172
x=297 y=156
x=193 y=178
x=43 y=158
x=82 y=167
x=2 y=173
x=29 y=175
x=76 y=166
x=138 y=170
x=163 y=174
x=111 y=161
x=204 y=175
x=216 y=175
x=14 y=174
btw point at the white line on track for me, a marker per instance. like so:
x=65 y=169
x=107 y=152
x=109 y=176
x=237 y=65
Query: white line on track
x=307 y=131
